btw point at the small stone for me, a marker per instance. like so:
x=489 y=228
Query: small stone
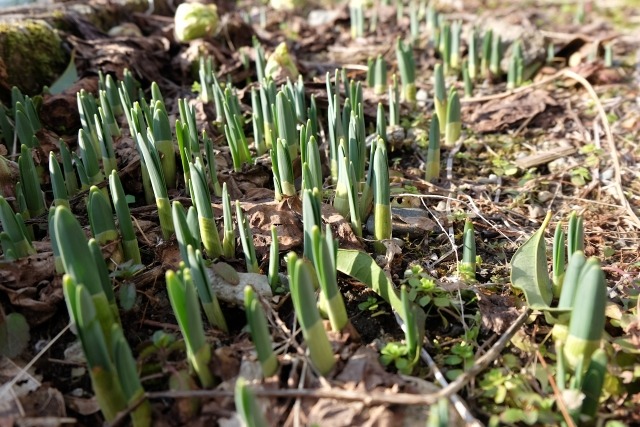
x=544 y=196
x=536 y=211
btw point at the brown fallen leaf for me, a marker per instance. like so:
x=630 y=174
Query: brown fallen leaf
x=498 y=311
x=30 y=286
x=501 y=113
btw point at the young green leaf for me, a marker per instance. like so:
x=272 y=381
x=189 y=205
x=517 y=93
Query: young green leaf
x=529 y=270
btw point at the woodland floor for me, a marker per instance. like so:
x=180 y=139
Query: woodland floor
x=542 y=147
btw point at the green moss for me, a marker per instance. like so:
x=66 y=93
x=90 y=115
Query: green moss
x=31 y=54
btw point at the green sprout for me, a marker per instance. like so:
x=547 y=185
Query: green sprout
x=24 y=128
x=202 y=281
x=205 y=72
x=70 y=178
x=105 y=142
x=407 y=66
x=163 y=142
x=445 y=45
x=381 y=193
x=30 y=183
x=559 y=259
x=85 y=314
x=453 y=123
x=304 y=303
x=184 y=234
x=260 y=58
x=454 y=54
x=58 y=186
x=593 y=382
x=311 y=217
x=411 y=328
x=487 y=42
x=54 y=243
x=103 y=226
x=467 y=267
x=257 y=121
x=109 y=86
x=394 y=102
x=127 y=373
x=274 y=260
x=246 y=238
x=129 y=240
x=89 y=158
x=472 y=57
x=608 y=55
x=152 y=161
x=414 y=23
x=575 y=234
x=182 y=295
x=282 y=166
x=346 y=196
x=336 y=130
x=247 y=406
x=440 y=98
x=286 y=125
x=587 y=317
x=433 y=151
x=267 y=100
x=432 y=24
x=514 y=73
x=83 y=267
x=312 y=164
x=234 y=132
x=496 y=56
x=370 y=79
x=380 y=76
x=15 y=231
x=439 y=414
x=381 y=123
x=260 y=332
x=356 y=14
x=107 y=116
x=202 y=201
x=324 y=261
x=229 y=233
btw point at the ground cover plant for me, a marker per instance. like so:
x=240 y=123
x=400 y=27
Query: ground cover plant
x=373 y=213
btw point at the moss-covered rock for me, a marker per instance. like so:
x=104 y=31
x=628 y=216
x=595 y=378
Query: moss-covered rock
x=31 y=56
